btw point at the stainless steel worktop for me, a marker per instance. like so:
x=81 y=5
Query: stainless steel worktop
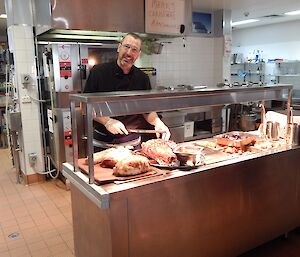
x=100 y=194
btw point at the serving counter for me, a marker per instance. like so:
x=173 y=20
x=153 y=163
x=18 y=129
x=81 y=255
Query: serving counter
x=223 y=208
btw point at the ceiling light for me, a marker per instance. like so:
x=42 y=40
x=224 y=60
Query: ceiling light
x=3 y=16
x=293 y=13
x=236 y=23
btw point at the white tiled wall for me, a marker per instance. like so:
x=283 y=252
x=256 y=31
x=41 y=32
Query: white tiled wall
x=22 y=45
x=195 y=60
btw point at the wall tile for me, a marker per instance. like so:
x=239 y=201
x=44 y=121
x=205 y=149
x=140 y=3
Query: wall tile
x=18 y=32
x=19 y=44
x=25 y=64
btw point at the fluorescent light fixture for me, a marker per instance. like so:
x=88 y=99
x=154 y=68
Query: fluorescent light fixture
x=3 y=16
x=293 y=12
x=236 y=23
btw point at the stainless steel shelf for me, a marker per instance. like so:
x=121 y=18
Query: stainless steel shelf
x=133 y=102
x=287 y=75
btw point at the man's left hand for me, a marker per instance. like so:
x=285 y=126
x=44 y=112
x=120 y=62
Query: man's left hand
x=162 y=127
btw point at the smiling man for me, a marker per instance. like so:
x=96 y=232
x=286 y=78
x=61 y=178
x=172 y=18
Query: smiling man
x=122 y=75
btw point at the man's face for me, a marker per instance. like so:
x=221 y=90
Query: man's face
x=128 y=51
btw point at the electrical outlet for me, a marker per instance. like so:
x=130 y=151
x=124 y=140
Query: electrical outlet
x=26 y=99
x=32 y=158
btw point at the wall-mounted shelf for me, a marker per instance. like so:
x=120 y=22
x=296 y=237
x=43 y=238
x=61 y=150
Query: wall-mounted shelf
x=248 y=72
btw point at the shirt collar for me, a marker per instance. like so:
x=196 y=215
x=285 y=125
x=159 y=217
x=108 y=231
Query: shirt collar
x=119 y=72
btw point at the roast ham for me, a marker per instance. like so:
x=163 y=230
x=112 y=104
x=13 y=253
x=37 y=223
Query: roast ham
x=132 y=165
x=109 y=157
x=161 y=151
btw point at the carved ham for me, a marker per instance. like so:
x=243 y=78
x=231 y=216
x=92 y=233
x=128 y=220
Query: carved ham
x=109 y=157
x=132 y=165
x=161 y=151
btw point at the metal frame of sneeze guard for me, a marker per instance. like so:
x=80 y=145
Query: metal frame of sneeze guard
x=134 y=102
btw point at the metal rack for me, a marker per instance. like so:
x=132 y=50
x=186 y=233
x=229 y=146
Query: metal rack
x=253 y=72
x=134 y=102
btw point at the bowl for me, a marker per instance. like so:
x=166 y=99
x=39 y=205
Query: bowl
x=189 y=155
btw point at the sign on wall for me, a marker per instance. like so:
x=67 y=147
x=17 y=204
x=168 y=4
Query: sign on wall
x=164 y=16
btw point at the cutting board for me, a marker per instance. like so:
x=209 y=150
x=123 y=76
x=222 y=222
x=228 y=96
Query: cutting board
x=105 y=175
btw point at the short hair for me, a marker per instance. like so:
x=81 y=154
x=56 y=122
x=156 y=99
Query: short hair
x=134 y=35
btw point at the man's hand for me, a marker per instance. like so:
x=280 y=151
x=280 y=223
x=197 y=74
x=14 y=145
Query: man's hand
x=153 y=119
x=115 y=127
x=159 y=125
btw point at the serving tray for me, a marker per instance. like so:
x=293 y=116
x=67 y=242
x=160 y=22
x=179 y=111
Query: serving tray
x=236 y=139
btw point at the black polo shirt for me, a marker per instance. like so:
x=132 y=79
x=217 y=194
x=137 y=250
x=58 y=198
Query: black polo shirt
x=109 y=77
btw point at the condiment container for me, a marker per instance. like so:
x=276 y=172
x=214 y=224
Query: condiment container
x=293 y=134
x=248 y=121
x=272 y=130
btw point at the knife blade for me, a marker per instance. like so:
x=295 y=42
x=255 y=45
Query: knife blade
x=145 y=131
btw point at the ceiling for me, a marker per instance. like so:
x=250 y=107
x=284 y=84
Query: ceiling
x=255 y=9
x=241 y=10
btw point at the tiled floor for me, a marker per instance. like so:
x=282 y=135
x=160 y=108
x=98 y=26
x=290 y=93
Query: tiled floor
x=35 y=220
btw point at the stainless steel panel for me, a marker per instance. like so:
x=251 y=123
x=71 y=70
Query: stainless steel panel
x=15 y=121
x=75 y=84
x=177 y=134
x=122 y=103
x=207 y=214
x=42 y=15
x=19 y=12
x=60 y=151
x=108 y=15
x=173 y=119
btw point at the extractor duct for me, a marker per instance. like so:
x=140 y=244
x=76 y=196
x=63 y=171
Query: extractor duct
x=92 y=20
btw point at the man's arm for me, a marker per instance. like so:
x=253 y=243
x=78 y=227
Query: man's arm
x=153 y=119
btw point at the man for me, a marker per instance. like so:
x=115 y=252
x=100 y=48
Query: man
x=122 y=75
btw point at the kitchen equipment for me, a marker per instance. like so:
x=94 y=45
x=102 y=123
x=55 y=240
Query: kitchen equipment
x=174 y=120
x=293 y=134
x=248 y=121
x=272 y=130
x=292 y=130
x=65 y=68
x=262 y=126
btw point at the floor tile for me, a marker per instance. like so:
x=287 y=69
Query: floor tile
x=34 y=219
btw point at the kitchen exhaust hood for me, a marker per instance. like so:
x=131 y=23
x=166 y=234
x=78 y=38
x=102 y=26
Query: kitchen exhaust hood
x=88 y=21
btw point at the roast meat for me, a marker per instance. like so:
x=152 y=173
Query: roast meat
x=131 y=165
x=109 y=157
x=161 y=151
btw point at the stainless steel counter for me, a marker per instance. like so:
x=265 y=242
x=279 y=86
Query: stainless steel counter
x=236 y=204
x=133 y=102
x=221 y=209
x=100 y=195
